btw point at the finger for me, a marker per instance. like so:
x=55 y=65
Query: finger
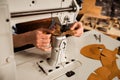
x=43 y=37
x=45 y=45
x=80 y=30
x=46 y=41
x=76 y=26
x=78 y=34
x=43 y=42
x=45 y=48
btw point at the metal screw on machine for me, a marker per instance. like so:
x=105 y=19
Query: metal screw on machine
x=33 y=2
x=7 y=20
x=67 y=62
x=50 y=70
x=72 y=60
x=57 y=67
x=41 y=61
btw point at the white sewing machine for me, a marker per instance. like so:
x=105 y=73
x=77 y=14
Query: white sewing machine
x=26 y=65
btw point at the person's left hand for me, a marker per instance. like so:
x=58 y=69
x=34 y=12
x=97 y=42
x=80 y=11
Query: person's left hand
x=78 y=28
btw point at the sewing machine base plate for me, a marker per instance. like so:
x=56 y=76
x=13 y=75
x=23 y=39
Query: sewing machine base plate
x=48 y=69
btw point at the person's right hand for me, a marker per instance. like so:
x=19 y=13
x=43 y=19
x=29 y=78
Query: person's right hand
x=41 y=39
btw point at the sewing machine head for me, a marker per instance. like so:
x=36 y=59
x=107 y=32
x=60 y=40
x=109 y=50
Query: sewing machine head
x=25 y=11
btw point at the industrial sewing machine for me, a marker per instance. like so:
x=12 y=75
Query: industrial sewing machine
x=18 y=12
x=65 y=61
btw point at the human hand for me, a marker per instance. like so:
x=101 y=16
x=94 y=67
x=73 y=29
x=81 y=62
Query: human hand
x=41 y=38
x=78 y=29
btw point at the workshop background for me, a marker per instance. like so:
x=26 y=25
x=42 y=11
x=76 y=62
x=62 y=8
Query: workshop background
x=101 y=8
x=109 y=7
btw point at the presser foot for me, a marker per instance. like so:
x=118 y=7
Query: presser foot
x=61 y=68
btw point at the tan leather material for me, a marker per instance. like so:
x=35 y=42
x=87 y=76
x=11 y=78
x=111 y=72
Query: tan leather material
x=98 y=75
x=109 y=69
x=92 y=51
x=109 y=61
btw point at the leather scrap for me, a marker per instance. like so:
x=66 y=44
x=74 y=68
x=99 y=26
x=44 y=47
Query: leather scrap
x=98 y=74
x=109 y=61
x=109 y=69
x=92 y=51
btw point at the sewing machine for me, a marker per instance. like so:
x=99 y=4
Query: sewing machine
x=16 y=12
x=66 y=62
